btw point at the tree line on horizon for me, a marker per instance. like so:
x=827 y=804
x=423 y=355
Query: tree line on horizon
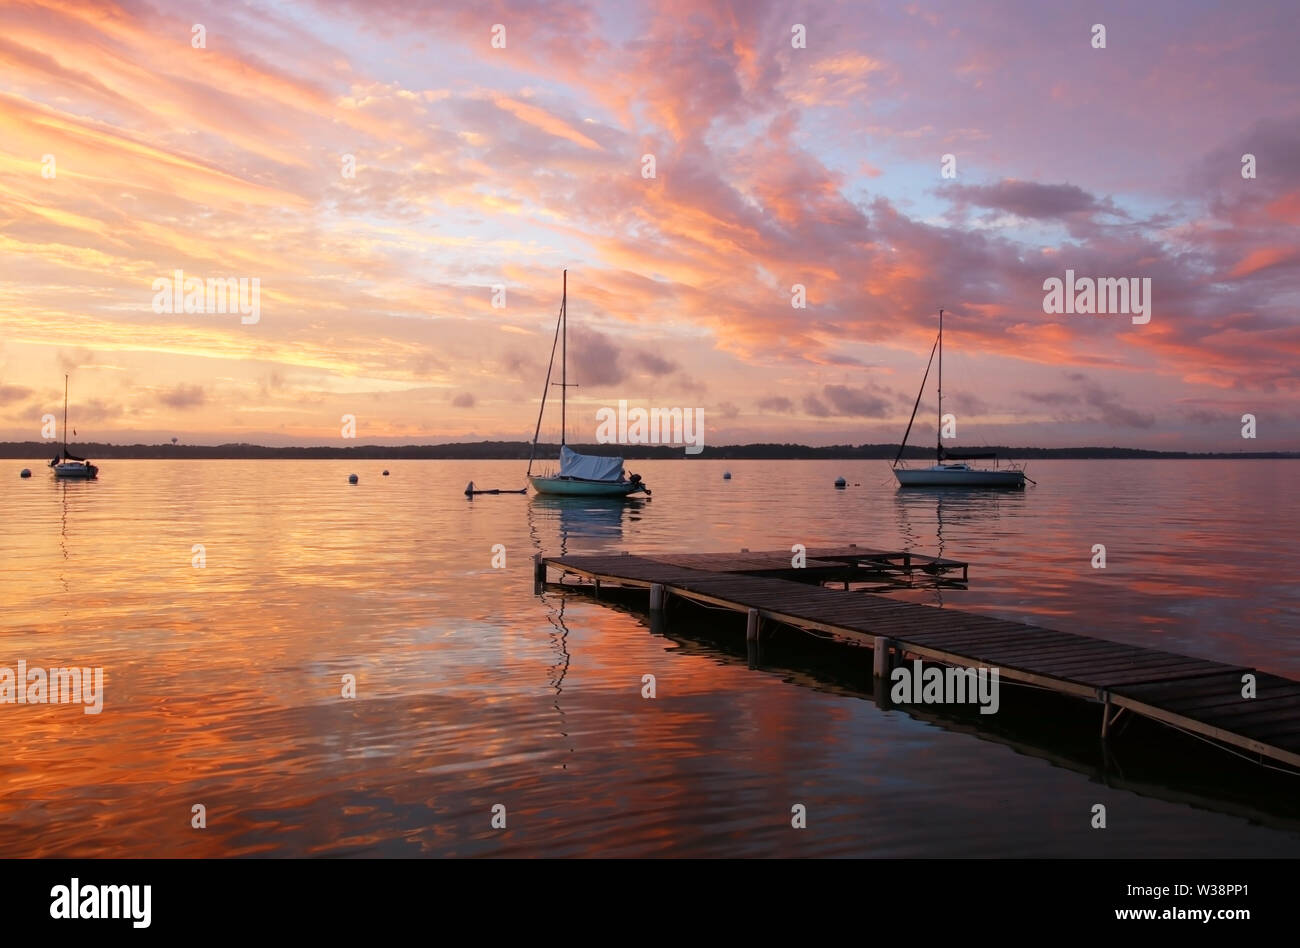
x=520 y=450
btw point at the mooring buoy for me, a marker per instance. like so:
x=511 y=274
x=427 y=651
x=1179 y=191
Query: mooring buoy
x=25 y=472
x=352 y=478
x=841 y=482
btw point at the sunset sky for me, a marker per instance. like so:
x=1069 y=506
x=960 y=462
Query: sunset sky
x=774 y=165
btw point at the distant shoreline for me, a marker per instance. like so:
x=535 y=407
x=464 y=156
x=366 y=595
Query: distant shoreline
x=519 y=451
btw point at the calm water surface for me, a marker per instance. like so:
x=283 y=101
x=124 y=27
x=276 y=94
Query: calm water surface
x=223 y=682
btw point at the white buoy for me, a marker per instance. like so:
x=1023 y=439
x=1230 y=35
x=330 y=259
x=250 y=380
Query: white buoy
x=841 y=482
x=726 y=475
x=25 y=472
x=352 y=478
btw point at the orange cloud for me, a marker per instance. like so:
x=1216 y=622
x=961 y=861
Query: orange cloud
x=540 y=118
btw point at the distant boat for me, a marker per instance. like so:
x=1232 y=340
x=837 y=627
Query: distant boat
x=580 y=475
x=66 y=465
x=944 y=472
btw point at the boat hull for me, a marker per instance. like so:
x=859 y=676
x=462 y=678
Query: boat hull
x=575 y=487
x=947 y=477
x=76 y=472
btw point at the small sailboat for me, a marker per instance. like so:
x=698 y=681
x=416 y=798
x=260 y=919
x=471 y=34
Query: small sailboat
x=949 y=469
x=65 y=464
x=580 y=475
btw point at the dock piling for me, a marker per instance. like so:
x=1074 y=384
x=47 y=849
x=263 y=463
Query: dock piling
x=751 y=626
x=880 y=694
x=880 y=657
x=656 y=597
x=1107 y=722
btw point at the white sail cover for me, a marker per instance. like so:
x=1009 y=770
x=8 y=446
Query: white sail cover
x=588 y=467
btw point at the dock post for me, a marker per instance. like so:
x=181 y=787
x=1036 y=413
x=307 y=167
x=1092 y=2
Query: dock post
x=539 y=574
x=880 y=694
x=1105 y=716
x=595 y=587
x=751 y=626
x=656 y=597
x=880 y=655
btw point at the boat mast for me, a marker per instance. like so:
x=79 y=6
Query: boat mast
x=564 y=358
x=65 y=414
x=938 y=444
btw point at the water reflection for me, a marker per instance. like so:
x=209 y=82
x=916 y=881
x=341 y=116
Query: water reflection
x=930 y=520
x=223 y=683
x=572 y=524
x=598 y=519
x=954 y=506
x=63 y=544
x=555 y=603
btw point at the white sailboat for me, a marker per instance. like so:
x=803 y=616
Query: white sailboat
x=69 y=466
x=949 y=469
x=580 y=475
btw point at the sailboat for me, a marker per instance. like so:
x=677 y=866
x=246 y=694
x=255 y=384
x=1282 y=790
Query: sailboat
x=68 y=465
x=580 y=475
x=948 y=469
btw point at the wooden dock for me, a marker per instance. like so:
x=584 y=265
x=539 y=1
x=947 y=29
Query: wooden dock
x=851 y=565
x=1201 y=697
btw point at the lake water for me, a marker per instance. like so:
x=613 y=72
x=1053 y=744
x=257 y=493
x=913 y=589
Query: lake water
x=223 y=684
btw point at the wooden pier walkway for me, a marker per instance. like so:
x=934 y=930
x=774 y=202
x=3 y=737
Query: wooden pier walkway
x=1192 y=694
x=850 y=564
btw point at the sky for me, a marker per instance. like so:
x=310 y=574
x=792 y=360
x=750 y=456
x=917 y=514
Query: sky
x=407 y=182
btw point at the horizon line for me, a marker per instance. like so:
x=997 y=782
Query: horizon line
x=513 y=450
